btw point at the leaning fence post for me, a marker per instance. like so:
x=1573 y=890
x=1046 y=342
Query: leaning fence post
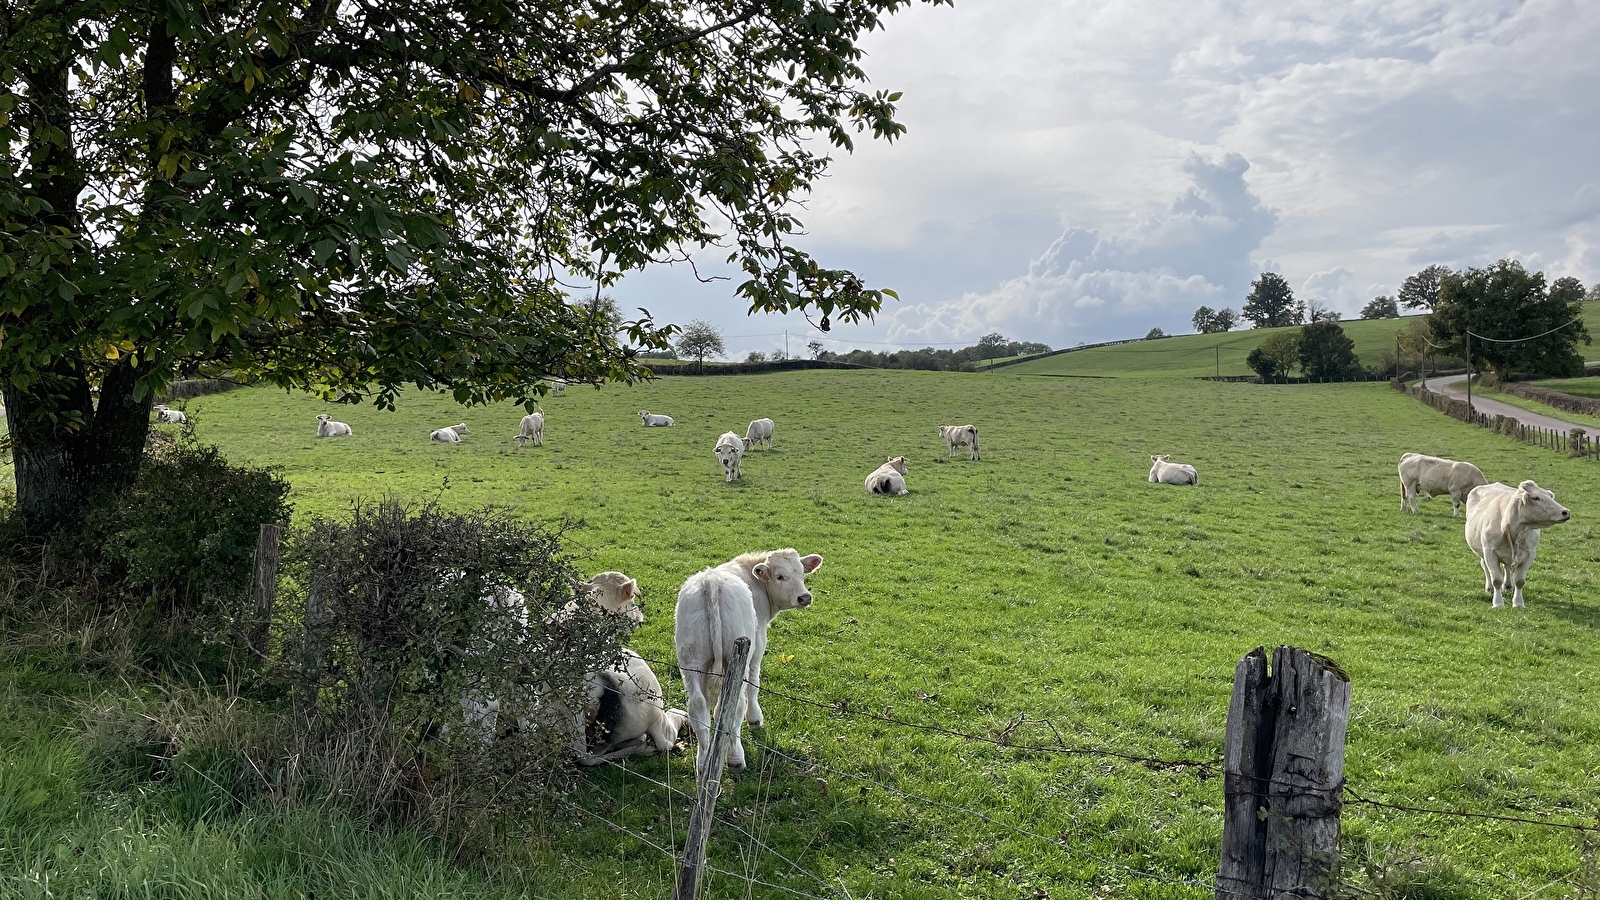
x=1575 y=441
x=692 y=864
x=264 y=586
x=1283 y=777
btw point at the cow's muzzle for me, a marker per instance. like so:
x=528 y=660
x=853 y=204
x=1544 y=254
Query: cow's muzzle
x=803 y=600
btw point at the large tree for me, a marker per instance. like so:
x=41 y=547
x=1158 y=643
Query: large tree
x=1421 y=291
x=350 y=198
x=1325 y=351
x=1381 y=307
x=1516 y=323
x=701 y=339
x=1271 y=303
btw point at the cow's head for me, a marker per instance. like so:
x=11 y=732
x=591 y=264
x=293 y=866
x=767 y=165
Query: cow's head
x=614 y=592
x=1539 y=507
x=1161 y=459
x=460 y=429
x=644 y=414
x=783 y=574
x=322 y=418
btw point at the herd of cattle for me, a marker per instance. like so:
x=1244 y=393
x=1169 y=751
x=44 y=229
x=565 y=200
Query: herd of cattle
x=626 y=711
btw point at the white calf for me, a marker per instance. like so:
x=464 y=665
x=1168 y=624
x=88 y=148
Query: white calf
x=1430 y=476
x=960 y=436
x=613 y=592
x=450 y=434
x=558 y=388
x=889 y=478
x=626 y=714
x=170 y=416
x=327 y=427
x=532 y=430
x=717 y=607
x=729 y=451
x=654 y=421
x=759 y=431
x=1503 y=525
x=1164 y=471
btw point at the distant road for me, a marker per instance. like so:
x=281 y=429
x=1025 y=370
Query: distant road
x=1451 y=386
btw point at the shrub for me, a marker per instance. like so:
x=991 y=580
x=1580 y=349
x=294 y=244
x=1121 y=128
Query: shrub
x=1326 y=351
x=1276 y=356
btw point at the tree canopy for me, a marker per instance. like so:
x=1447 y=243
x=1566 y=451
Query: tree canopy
x=1421 y=291
x=1325 y=351
x=1381 y=307
x=1276 y=356
x=1214 y=321
x=355 y=198
x=701 y=339
x=1271 y=303
x=1517 y=323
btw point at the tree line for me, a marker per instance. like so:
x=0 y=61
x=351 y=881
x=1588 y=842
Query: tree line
x=700 y=340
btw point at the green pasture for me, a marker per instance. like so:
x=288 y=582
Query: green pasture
x=1582 y=387
x=1047 y=592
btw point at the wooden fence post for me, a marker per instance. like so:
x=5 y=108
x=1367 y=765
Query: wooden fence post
x=692 y=864
x=1283 y=777
x=264 y=586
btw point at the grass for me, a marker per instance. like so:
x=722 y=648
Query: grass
x=1048 y=581
x=1543 y=409
x=1581 y=387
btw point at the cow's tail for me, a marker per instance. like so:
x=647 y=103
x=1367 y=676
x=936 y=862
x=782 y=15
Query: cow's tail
x=719 y=660
x=975 y=451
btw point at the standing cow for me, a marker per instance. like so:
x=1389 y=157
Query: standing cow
x=759 y=431
x=1428 y=476
x=718 y=606
x=729 y=451
x=960 y=436
x=1164 y=471
x=889 y=478
x=531 y=429
x=1503 y=525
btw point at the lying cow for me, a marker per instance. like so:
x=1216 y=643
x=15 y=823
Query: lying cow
x=718 y=606
x=729 y=451
x=651 y=420
x=960 y=436
x=1164 y=471
x=759 y=431
x=532 y=429
x=626 y=714
x=327 y=427
x=889 y=478
x=1503 y=525
x=170 y=416
x=1430 y=476
x=450 y=434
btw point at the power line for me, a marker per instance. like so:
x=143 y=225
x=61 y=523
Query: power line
x=1521 y=339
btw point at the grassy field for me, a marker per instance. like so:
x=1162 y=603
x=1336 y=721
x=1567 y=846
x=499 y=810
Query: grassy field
x=1581 y=387
x=1048 y=581
x=1544 y=409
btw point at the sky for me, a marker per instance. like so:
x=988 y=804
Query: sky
x=1076 y=172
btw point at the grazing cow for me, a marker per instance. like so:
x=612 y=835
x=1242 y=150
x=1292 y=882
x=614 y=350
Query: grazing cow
x=1164 y=471
x=718 y=606
x=613 y=592
x=729 y=450
x=1429 y=476
x=558 y=388
x=327 y=427
x=760 y=430
x=960 y=436
x=170 y=416
x=532 y=430
x=450 y=434
x=889 y=478
x=654 y=421
x=1503 y=525
x=626 y=714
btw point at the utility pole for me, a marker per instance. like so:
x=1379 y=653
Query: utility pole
x=786 y=343
x=1470 y=411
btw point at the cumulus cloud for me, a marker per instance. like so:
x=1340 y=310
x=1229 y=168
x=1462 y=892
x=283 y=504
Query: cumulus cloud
x=1089 y=283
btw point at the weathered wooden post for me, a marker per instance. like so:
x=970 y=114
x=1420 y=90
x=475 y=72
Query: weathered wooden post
x=311 y=650
x=1575 y=440
x=264 y=586
x=692 y=864
x=1283 y=774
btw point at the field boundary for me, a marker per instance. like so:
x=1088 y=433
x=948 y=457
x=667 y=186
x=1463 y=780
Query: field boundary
x=1023 y=359
x=1576 y=442
x=692 y=369
x=1551 y=397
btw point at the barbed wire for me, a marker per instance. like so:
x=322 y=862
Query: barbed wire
x=1356 y=799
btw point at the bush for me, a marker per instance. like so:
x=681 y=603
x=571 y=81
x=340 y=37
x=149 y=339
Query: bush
x=1326 y=351
x=1276 y=356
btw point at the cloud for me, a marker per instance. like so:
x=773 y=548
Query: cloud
x=1090 y=285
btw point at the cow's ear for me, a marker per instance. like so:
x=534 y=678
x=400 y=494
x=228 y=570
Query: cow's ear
x=633 y=588
x=1528 y=487
x=762 y=571
x=811 y=563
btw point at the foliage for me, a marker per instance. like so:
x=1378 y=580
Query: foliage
x=1213 y=321
x=363 y=198
x=940 y=360
x=755 y=356
x=1421 y=291
x=1381 y=307
x=1154 y=334
x=1505 y=301
x=1326 y=351
x=701 y=339
x=1317 y=311
x=815 y=348
x=1271 y=303
x=1276 y=356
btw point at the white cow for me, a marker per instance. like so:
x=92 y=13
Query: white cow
x=170 y=416
x=654 y=421
x=1503 y=525
x=960 y=436
x=718 y=606
x=626 y=714
x=889 y=478
x=558 y=388
x=327 y=427
x=1164 y=471
x=1428 y=476
x=613 y=592
x=532 y=429
x=730 y=450
x=758 y=431
x=450 y=434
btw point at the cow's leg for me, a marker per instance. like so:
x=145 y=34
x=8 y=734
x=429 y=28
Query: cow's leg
x=619 y=751
x=1497 y=576
x=1520 y=577
x=752 y=692
x=694 y=688
x=1488 y=575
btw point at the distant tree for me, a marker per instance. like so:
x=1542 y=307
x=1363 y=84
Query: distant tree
x=1154 y=334
x=991 y=346
x=1381 y=307
x=1271 y=303
x=1505 y=301
x=701 y=339
x=1594 y=293
x=1202 y=319
x=777 y=355
x=1320 y=312
x=1326 y=351
x=755 y=357
x=816 y=349
x=1276 y=356
x=1224 y=320
x=1421 y=291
